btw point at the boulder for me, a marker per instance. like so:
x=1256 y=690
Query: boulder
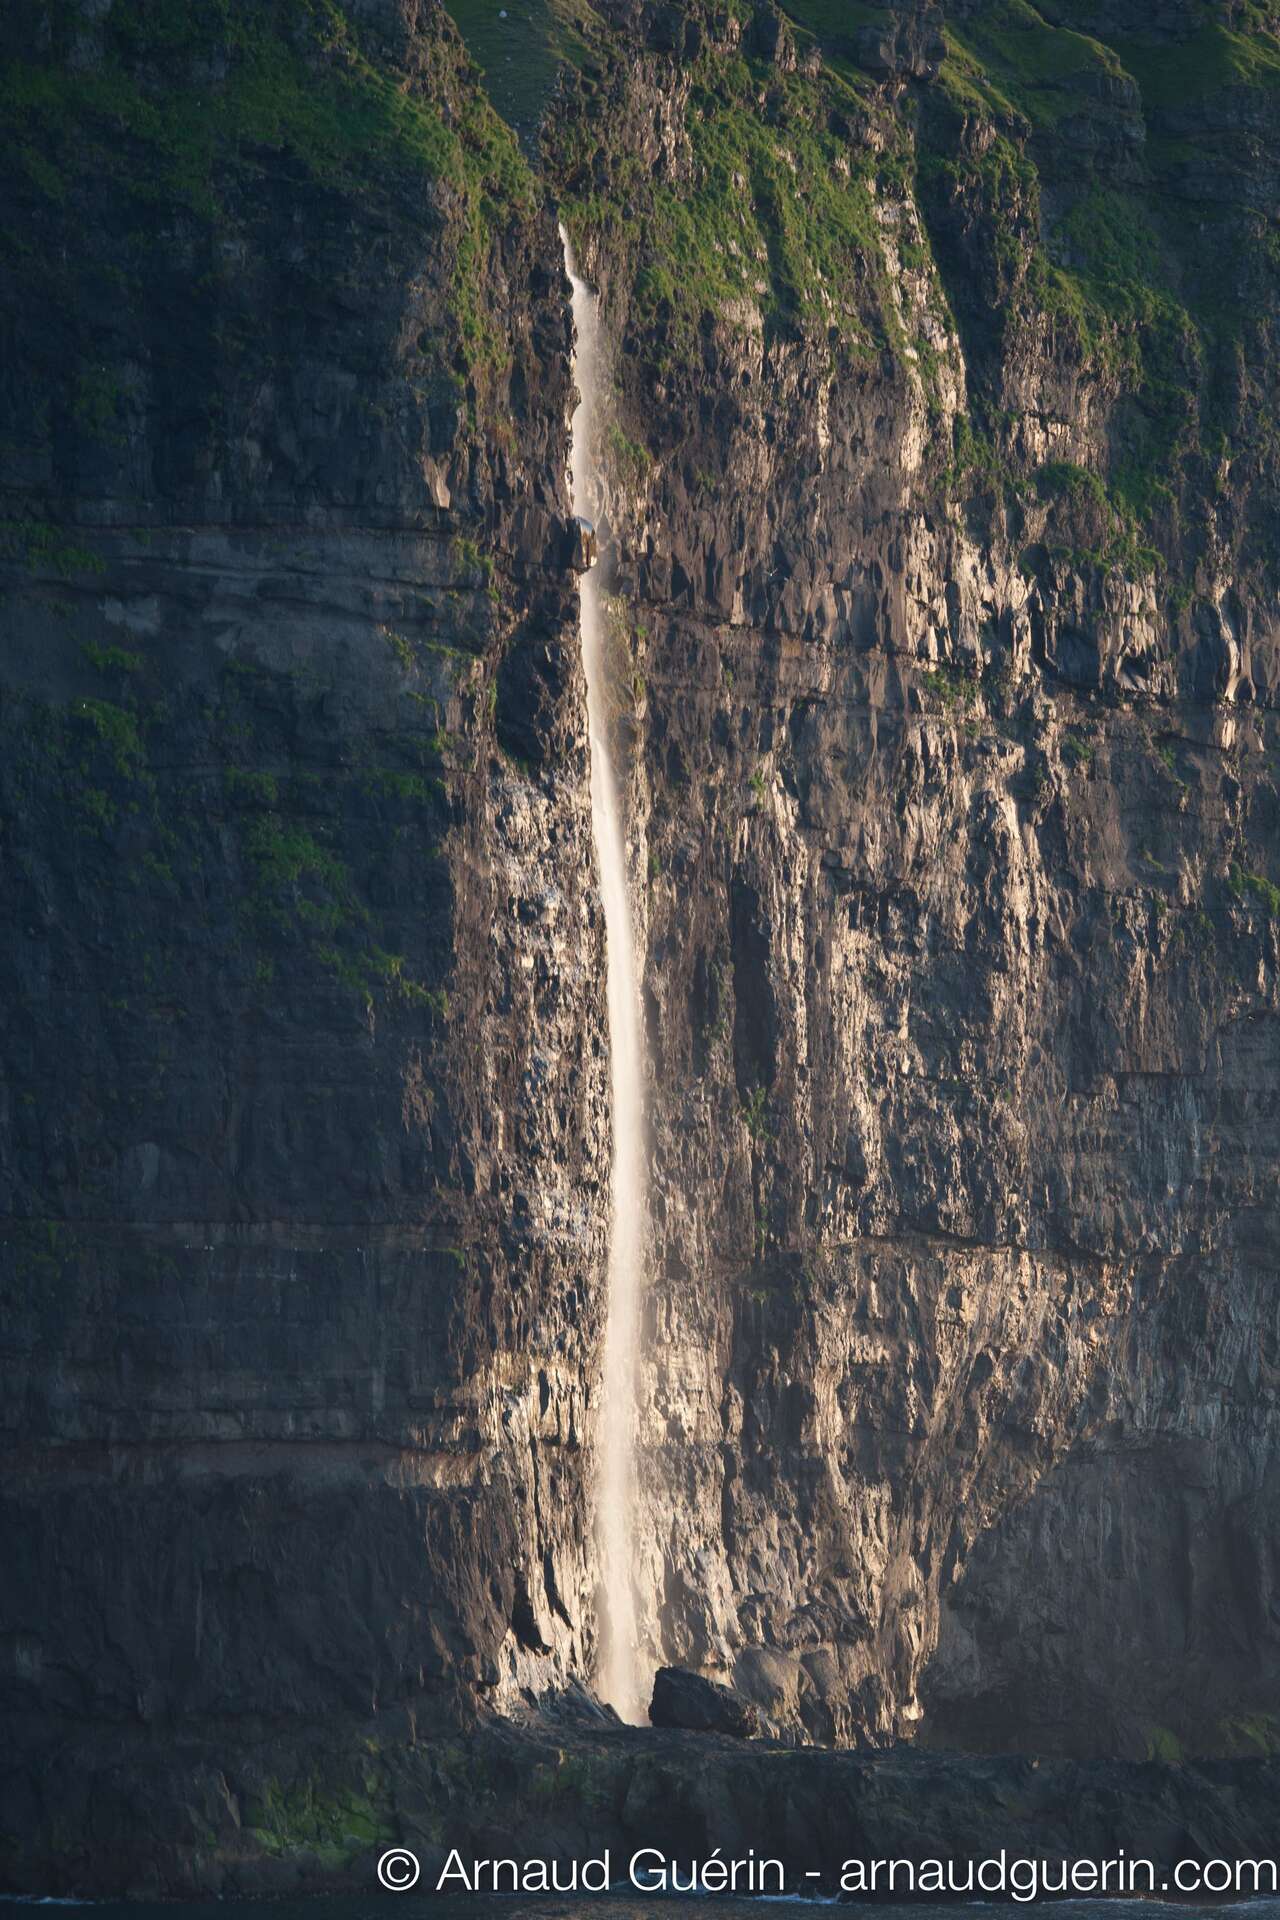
x=581 y=546
x=683 y=1699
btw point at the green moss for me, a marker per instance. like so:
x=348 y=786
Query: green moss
x=414 y=789
x=370 y=973
x=1254 y=886
x=1059 y=480
x=111 y=659
x=1250 y=1734
x=839 y=24
x=335 y=1825
x=1176 y=73
x=400 y=647
x=95 y=403
x=118 y=730
x=296 y=80
x=40 y=548
x=302 y=890
x=191 y=97
x=521 y=56
x=298 y=878
x=629 y=461
x=251 y=787
x=952 y=686
x=473 y=561
x=778 y=213
x=1111 y=525
x=976 y=459
x=1164 y=1746
x=1041 y=67
x=1132 y=286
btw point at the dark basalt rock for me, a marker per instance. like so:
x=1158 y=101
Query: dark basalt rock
x=684 y=1699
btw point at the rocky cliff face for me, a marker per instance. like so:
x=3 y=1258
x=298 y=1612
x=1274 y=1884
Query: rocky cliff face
x=305 y=1115
x=942 y=503
x=943 y=567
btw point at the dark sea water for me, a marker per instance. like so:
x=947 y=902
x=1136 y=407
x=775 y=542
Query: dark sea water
x=621 y=1906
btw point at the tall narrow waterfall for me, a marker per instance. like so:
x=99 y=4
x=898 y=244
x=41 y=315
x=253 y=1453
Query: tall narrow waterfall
x=620 y=1679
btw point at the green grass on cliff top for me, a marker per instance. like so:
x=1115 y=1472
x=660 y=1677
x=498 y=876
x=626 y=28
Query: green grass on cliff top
x=190 y=104
x=1046 y=66
x=1174 y=75
x=187 y=91
x=1121 y=260
x=521 y=48
x=1048 y=71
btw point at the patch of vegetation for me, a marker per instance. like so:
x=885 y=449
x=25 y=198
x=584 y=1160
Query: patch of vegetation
x=1022 y=58
x=297 y=880
x=117 y=728
x=1250 y=1734
x=111 y=659
x=777 y=216
x=1061 y=480
x=1088 y=504
x=1254 y=886
x=1168 y=758
x=953 y=687
x=41 y=548
x=97 y=397
x=975 y=457
x=473 y=560
x=1164 y=1746
x=755 y=1113
x=521 y=55
x=301 y=889
x=335 y=1825
x=416 y=789
x=252 y=787
x=1132 y=288
x=629 y=461
x=189 y=98
x=400 y=647
x=1174 y=73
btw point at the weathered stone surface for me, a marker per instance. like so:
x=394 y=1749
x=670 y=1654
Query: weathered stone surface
x=683 y=1699
x=296 y=1814
x=304 y=1129
x=963 y=1010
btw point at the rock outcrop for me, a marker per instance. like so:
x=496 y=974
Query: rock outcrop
x=684 y=1699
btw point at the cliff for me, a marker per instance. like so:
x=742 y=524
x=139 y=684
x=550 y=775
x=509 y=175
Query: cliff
x=945 y=502
x=941 y=542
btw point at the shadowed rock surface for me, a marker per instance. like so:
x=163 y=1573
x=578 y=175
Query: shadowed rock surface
x=682 y=1699
x=296 y=1814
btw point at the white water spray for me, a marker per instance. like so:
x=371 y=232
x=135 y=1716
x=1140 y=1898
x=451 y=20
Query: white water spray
x=621 y=1678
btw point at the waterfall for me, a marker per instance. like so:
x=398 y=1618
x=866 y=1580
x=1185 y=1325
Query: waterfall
x=620 y=1679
